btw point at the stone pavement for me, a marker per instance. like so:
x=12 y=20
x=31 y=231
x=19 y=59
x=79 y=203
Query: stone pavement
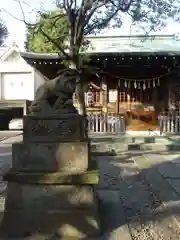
x=6 y=161
x=133 y=207
x=140 y=194
x=5 y=165
x=5 y=153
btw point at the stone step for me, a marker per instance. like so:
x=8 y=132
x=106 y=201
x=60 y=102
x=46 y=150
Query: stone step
x=113 y=148
x=139 y=139
x=154 y=147
x=110 y=148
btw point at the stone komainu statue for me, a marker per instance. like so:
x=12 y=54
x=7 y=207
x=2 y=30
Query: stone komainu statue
x=56 y=93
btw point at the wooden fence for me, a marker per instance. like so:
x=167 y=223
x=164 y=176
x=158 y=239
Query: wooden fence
x=111 y=123
x=169 y=122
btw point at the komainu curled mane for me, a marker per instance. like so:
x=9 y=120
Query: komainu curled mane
x=56 y=94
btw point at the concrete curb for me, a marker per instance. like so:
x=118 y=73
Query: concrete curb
x=154 y=147
x=10 y=140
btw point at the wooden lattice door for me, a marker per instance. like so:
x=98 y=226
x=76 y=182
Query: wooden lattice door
x=133 y=102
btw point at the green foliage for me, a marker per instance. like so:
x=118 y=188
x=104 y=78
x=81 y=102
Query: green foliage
x=52 y=26
x=3 y=32
x=52 y=34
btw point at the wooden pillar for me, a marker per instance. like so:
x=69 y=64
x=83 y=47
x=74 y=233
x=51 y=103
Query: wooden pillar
x=101 y=96
x=105 y=90
x=105 y=87
x=170 y=91
x=25 y=108
x=154 y=99
x=170 y=98
x=117 y=100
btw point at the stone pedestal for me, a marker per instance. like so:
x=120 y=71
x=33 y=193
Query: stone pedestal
x=50 y=190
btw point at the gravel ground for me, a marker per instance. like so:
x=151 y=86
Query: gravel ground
x=145 y=214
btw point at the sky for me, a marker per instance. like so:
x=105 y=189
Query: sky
x=16 y=27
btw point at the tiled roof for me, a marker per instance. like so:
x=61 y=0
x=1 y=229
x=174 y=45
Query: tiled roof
x=137 y=43
x=153 y=44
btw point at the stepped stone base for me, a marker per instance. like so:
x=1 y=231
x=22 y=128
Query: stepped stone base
x=50 y=210
x=90 y=177
x=63 y=157
x=49 y=197
x=78 y=224
x=50 y=192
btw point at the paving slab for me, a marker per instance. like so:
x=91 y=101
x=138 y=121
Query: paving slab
x=146 y=216
x=169 y=170
x=166 y=189
x=130 y=206
x=173 y=158
x=113 y=217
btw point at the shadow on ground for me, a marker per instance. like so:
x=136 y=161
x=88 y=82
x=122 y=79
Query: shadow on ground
x=54 y=215
x=126 y=193
x=136 y=195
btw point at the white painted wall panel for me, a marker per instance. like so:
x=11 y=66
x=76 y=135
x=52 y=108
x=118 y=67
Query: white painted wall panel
x=17 y=86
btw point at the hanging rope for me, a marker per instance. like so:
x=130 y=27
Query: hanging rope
x=139 y=83
x=135 y=79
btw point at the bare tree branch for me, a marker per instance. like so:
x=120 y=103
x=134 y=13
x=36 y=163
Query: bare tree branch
x=121 y=4
x=3 y=9
x=104 y=21
x=87 y=19
x=79 y=15
x=100 y=24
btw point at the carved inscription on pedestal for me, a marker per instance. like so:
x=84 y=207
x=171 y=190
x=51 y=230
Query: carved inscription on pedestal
x=47 y=129
x=52 y=127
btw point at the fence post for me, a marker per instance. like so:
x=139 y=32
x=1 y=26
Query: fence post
x=169 y=122
x=106 y=123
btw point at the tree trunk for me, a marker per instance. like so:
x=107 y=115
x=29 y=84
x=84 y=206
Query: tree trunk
x=80 y=91
x=80 y=98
